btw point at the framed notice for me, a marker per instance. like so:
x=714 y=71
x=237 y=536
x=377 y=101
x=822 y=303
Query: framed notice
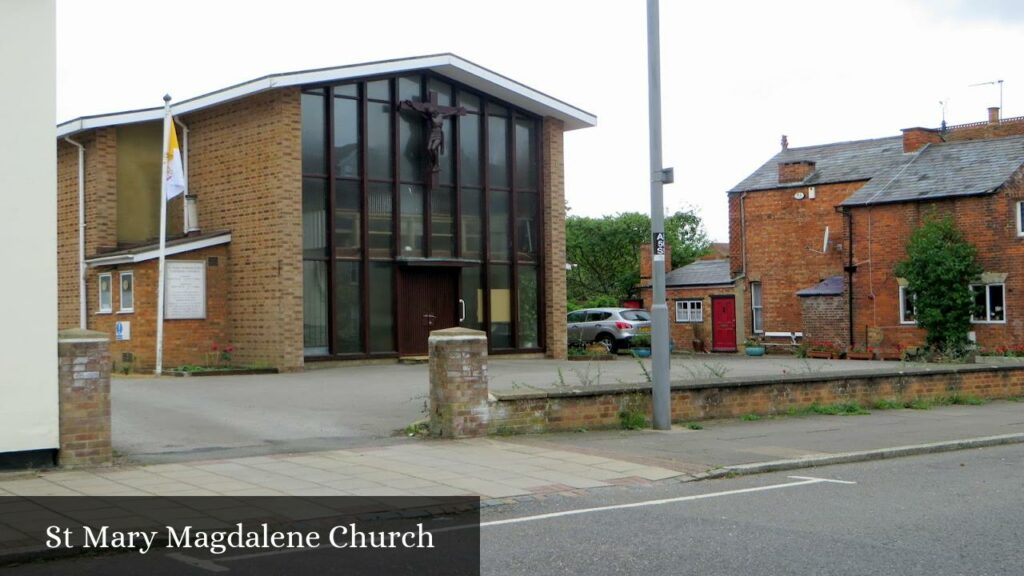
x=185 y=290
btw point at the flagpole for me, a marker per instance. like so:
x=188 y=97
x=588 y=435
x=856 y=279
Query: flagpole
x=168 y=125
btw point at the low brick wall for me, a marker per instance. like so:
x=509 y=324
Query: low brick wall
x=599 y=407
x=84 y=377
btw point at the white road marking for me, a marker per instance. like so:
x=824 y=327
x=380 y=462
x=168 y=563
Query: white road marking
x=802 y=481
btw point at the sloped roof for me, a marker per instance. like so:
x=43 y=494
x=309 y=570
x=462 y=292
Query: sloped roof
x=831 y=286
x=838 y=162
x=700 y=273
x=448 y=65
x=965 y=168
x=150 y=250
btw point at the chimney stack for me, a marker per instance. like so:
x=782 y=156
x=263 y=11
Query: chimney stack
x=795 y=171
x=915 y=138
x=993 y=115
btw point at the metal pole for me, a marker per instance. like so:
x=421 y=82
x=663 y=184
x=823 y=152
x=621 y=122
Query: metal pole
x=661 y=400
x=168 y=125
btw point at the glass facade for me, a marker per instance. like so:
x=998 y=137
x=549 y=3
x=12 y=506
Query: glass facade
x=372 y=204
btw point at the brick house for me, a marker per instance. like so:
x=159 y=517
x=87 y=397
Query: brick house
x=319 y=223
x=817 y=231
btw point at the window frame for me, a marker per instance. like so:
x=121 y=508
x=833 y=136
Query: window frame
x=757 y=308
x=902 y=310
x=122 y=309
x=689 y=311
x=1019 y=205
x=988 y=303
x=109 y=309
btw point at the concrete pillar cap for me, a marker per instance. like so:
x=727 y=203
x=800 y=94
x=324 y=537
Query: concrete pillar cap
x=80 y=335
x=457 y=333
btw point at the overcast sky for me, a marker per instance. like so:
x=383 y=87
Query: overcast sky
x=735 y=75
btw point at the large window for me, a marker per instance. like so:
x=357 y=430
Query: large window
x=689 y=311
x=372 y=204
x=908 y=309
x=756 y=308
x=989 y=303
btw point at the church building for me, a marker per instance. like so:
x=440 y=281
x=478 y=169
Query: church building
x=330 y=214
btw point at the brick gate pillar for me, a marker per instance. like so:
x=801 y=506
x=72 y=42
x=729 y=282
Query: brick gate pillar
x=84 y=377
x=458 y=383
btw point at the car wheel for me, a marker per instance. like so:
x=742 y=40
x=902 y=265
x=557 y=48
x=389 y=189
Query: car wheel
x=608 y=341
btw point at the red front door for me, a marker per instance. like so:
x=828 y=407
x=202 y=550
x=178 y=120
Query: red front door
x=723 y=324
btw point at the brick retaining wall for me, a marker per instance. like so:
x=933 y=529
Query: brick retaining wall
x=599 y=407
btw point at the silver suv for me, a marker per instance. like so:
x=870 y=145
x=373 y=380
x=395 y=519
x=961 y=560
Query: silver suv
x=613 y=327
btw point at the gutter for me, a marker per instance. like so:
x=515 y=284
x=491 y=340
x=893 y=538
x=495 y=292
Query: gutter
x=81 y=233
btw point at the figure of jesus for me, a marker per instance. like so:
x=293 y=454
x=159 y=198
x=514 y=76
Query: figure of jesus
x=435 y=116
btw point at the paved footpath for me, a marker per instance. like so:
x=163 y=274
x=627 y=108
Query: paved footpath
x=506 y=470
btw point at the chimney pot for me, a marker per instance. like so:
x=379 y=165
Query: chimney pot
x=785 y=142
x=993 y=115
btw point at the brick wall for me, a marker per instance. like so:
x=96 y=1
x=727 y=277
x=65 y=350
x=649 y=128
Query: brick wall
x=990 y=130
x=245 y=166
x=881 y=234
x=825 y=319
x=539 y=412
x=645 y=263
x=84 y=377
x=100 y=212
x=784 y=241
x=185 y=341
x=553 y=175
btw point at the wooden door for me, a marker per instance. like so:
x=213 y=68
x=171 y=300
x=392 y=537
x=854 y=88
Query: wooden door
x=723 y=324
x=429 y=301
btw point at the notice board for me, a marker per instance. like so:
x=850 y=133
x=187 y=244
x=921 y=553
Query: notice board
x=185 y=290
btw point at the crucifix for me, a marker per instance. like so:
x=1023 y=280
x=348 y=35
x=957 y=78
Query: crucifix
x=434 y=115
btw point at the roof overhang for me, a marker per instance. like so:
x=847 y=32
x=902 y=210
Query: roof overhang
x=152 y=252
x=448 y=65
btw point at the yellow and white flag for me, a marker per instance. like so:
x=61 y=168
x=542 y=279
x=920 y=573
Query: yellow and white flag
x=174 y=179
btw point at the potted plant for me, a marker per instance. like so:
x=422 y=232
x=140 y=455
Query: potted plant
x=641 y=345
x=860 y=352
x=753 y=347
x=823 y=349
x=896 y=354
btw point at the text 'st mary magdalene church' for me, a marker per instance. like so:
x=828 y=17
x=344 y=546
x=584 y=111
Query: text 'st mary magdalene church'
x=331 y=214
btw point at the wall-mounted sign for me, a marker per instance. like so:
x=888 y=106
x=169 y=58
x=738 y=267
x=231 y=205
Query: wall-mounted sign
x=185 y=285
x=123 y=330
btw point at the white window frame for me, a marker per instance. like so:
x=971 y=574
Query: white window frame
x=903 y=308
x=690 y=311
x=1020 y=220
x=757 y=307
x=120 y=292
x=988 y=303
x=100 y=308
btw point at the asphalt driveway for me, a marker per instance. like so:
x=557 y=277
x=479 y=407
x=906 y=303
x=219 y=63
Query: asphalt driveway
x=176 y=419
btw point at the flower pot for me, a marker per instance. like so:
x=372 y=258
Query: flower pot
x=860 y=355
x=754 y=350
x=642 y=352
x=824 y=354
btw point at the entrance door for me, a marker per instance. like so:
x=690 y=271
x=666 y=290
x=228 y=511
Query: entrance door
x=723 y=324
x=429 y=301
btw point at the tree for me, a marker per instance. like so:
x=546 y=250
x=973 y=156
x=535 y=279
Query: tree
x=939 y=269
x=604 y=253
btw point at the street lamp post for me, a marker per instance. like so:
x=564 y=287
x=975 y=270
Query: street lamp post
x=660 y=397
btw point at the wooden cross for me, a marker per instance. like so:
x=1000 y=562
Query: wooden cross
x=434 y=115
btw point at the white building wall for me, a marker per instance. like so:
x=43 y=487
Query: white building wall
x=28 y=227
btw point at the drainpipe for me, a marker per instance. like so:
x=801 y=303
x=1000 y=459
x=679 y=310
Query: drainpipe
x=850 y=269
x=187 y=224
x=81 y=233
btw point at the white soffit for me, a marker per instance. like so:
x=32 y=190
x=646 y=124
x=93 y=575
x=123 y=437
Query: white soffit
x=448 y=65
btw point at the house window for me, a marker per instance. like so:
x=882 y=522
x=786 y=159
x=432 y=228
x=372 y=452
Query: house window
x=127 y=292
x=989 y=303
x=757 y=311
x=908 y=307
x=1020 y=218
x=106 y=293
x=689 y=311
